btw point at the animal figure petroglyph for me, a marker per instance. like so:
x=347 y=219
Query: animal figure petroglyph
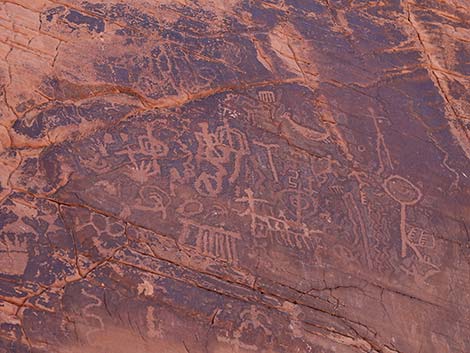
x=288 y=233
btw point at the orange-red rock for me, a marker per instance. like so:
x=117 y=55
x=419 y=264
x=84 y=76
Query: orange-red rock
x=234 y=176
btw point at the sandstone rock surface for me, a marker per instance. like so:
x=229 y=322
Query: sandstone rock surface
x=234 y=176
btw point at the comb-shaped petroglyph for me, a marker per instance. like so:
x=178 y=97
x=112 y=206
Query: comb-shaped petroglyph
x=211 y=241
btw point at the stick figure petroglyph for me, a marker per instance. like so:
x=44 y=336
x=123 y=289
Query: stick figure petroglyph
x=406 y=194
x=298 y=203
x=218 y=149
x=383 y=154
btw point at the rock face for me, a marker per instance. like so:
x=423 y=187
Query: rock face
x=234 y=176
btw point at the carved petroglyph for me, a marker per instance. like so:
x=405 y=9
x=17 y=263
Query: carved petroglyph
x=153 y=326
x=96 y=228
x=153 y=199
x=383 y=153
x=252 y=317
x=293 y=179
x=287 y=233
x=190 y=208
x=298 y=203
x=420 y=237
x=14 y=256
x=269 y=148
x=144 y=156
x=94 y=159
x=215 y=242
x=252 y=322
x=402 y=190
x=420 y=242
x=95 y=322
x=229 y=113
x=420 y=271
x=300 y=130
x=145 y=288
x=362 y=183
x=207 y=195
x=148 y=198
x=218 y=149
x=186 y=173
x=336 y=189
x=359 y=227
x=143 y=169
x=303 y=184
x=266 y=96
x=406 y=194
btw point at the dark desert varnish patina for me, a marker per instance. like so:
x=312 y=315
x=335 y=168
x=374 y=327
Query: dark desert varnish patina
x=234 y=176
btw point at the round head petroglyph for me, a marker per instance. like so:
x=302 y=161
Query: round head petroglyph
x=402 y=190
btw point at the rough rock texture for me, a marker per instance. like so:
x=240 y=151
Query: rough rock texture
x=234 y=176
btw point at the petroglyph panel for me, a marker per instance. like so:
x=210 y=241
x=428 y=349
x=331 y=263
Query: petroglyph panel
x=234 y=176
